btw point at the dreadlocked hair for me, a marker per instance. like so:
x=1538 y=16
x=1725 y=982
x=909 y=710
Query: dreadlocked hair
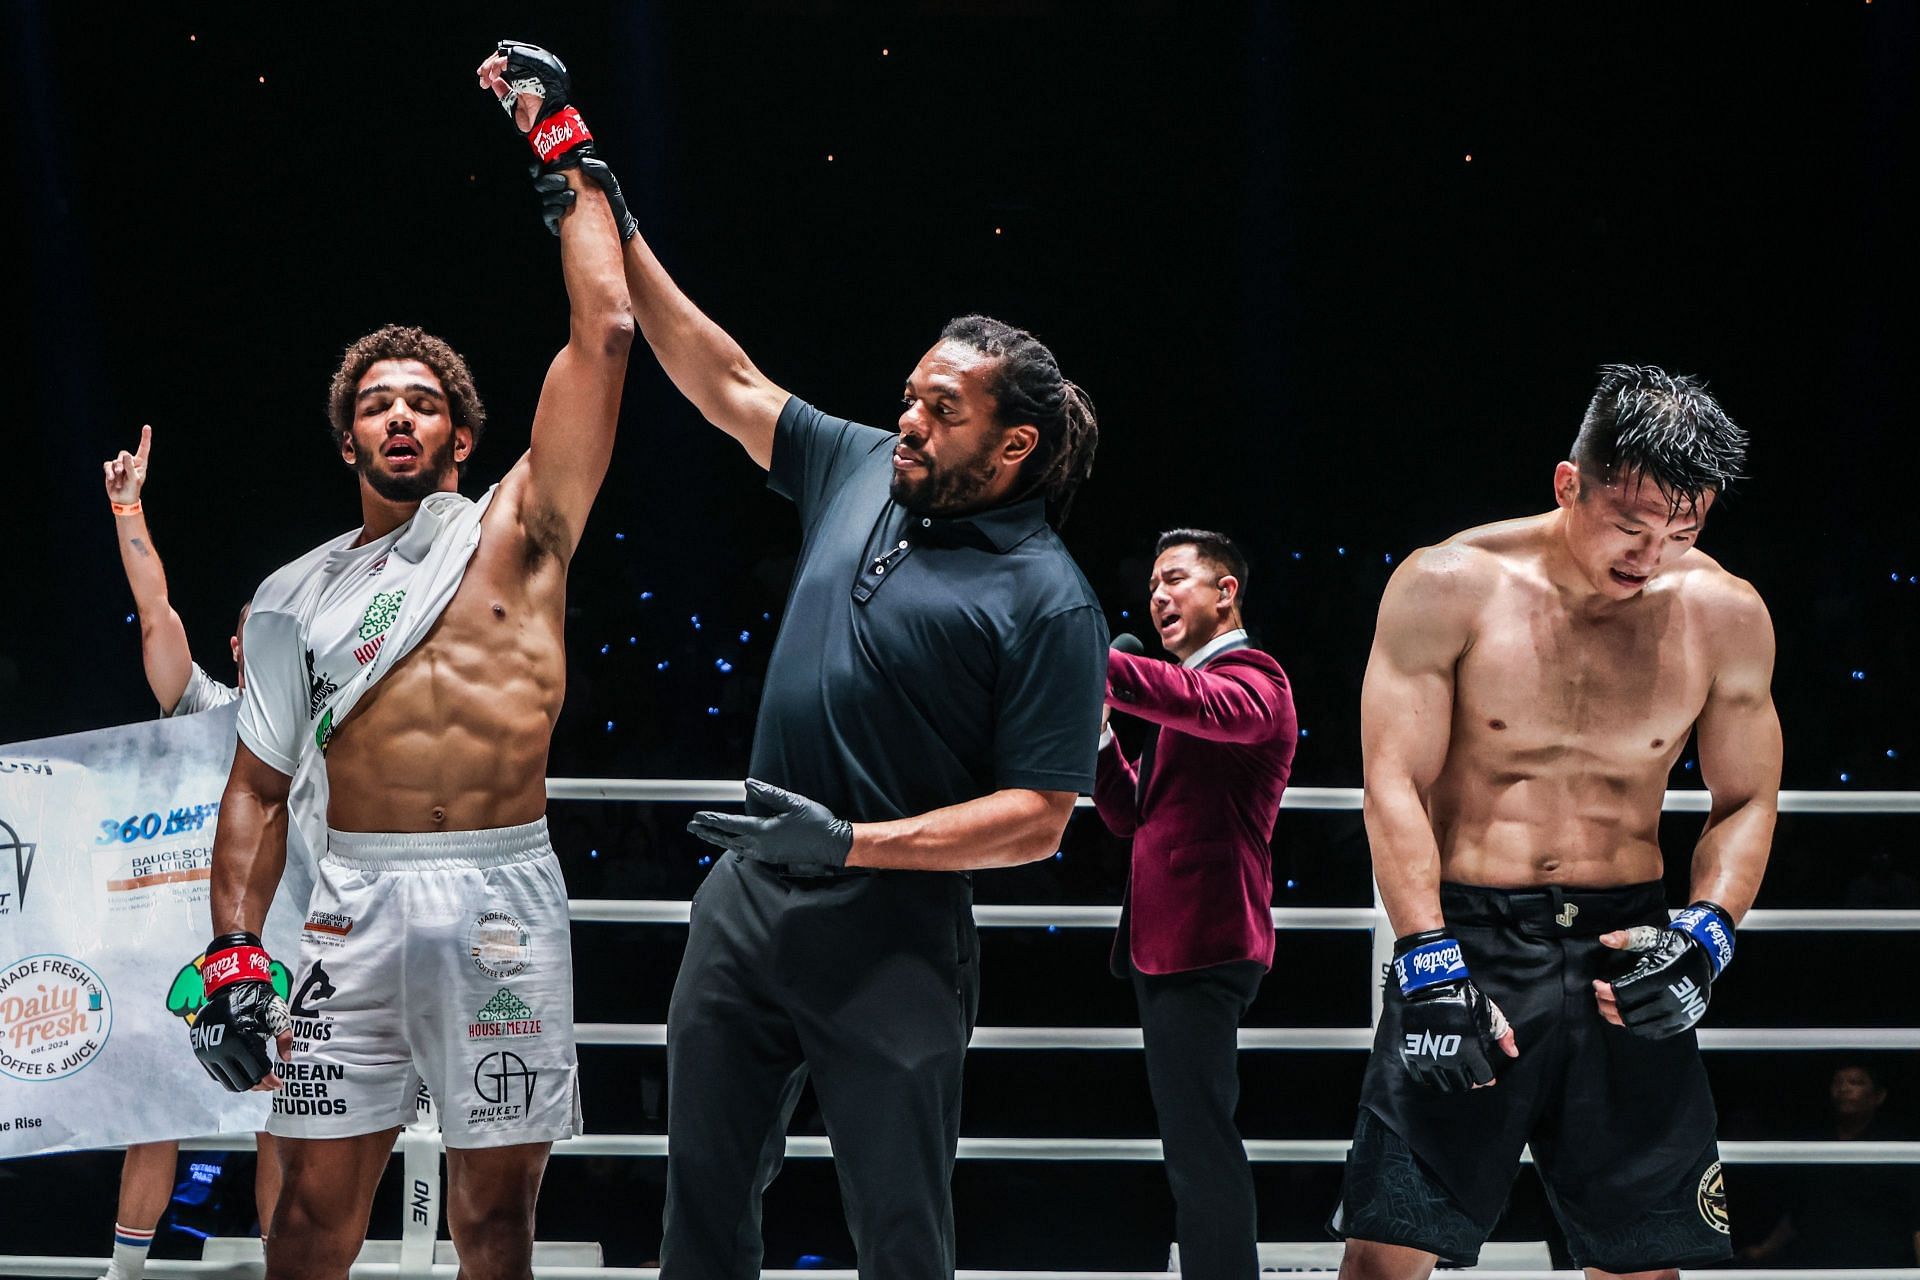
x=1660 y=427
x=1028 y=388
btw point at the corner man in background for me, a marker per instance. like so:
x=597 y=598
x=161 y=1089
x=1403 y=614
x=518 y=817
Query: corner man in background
x=1196 y=930
x=1849 y=1215
x=930 y=709
x=1530 y=689
x=182 y=687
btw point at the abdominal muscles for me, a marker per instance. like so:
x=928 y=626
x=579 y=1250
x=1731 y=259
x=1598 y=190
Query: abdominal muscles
x=455 y=736
x=1509 y=818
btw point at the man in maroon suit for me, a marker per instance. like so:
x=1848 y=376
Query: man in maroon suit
x=1196 y=933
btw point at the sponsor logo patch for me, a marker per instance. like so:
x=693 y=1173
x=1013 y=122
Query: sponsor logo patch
x=381 y=612
x=314 y=988
x=306 y=1089
x=328 y=929
x=505 y=1017
x=22 y=853
x=1712 y=1199
x=55 y=1016
x=320 y=687
x=504 y=1083
x=499 y=944
x=309 y=1023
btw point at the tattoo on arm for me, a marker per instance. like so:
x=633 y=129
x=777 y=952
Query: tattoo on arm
x=140 y=545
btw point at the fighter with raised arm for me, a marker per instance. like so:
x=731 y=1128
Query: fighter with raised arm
x=422 y=653
x=1531 y=686
x=182 y=687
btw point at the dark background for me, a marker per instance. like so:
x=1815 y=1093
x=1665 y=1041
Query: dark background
x=1253 y=233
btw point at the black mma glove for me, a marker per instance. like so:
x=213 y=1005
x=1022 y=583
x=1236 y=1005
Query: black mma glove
x=1452 y=1031
x=796 y=830
x=556 y=132
x=552 y=126
x=1664 y=990
x=234 y=1032
x=556 y=197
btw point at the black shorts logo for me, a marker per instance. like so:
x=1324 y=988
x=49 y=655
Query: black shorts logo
x=316 y=988
x=505 y=1084
x=1712 y=1199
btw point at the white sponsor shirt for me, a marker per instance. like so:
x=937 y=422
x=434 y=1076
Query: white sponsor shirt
x=325 y=627
x=203 y=693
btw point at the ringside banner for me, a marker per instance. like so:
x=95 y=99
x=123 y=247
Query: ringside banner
x=106 y=848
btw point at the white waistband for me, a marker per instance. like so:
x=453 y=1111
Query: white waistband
x=489 y=847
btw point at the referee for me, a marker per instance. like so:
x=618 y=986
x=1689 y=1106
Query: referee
x=930 y=708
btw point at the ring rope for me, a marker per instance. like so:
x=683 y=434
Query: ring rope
x=653 y=1035
x=730 y=791
x=675 y=911
x=1135 y=1150
x=57 y=1268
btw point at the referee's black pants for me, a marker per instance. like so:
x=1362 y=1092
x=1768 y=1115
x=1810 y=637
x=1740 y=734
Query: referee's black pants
x=869 y=984
x=1191 y=1021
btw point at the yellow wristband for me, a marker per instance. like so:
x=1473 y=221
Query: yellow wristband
x=125 y=508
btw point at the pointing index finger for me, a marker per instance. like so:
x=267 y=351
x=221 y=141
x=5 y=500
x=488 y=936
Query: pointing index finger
x=146 y=442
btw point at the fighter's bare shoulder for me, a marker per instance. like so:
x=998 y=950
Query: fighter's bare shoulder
x=1727 y=606
x=1460 y=573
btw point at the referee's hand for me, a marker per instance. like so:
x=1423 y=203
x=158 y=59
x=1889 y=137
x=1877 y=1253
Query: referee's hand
x=796 y=830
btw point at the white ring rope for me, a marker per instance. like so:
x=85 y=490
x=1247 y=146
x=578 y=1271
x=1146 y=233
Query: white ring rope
x=170 y=1269
x=1135 y=1150
x=730 y=791
x=653 y=1035
x=675 y=911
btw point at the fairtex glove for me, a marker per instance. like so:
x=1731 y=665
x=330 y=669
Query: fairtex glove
x=234 y=1032
x=533 y=89
x=796 y=830
x=1453 y=1033
x=1665 y=989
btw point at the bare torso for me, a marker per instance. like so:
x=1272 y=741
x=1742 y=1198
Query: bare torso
x=455 y=736
x=1567 y=724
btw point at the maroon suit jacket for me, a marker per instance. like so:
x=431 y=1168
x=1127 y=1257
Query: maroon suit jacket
x=1200 y=888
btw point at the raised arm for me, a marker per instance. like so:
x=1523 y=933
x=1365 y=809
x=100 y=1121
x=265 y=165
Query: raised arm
x=555 y=484
x=1738 y=734
x=702 y=360
x=1406 y=718
x=580 y=400
x=706 y=365
x=163 y=638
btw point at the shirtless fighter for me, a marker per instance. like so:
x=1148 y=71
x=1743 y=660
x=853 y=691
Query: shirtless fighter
x=422 y=653
x=1530 y=687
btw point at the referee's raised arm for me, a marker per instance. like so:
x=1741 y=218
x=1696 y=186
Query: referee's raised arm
x=701 y=358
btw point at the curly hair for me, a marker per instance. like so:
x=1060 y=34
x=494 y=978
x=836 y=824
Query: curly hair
x=406 y=342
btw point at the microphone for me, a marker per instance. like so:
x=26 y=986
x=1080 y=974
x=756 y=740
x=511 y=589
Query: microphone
x=1127 y=642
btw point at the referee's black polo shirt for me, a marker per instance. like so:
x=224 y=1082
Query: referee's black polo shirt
x=922 y=661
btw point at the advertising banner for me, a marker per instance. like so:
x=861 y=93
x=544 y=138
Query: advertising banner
x=106 y=853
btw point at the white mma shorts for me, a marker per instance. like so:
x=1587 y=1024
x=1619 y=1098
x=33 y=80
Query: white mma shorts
x=441 y=958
